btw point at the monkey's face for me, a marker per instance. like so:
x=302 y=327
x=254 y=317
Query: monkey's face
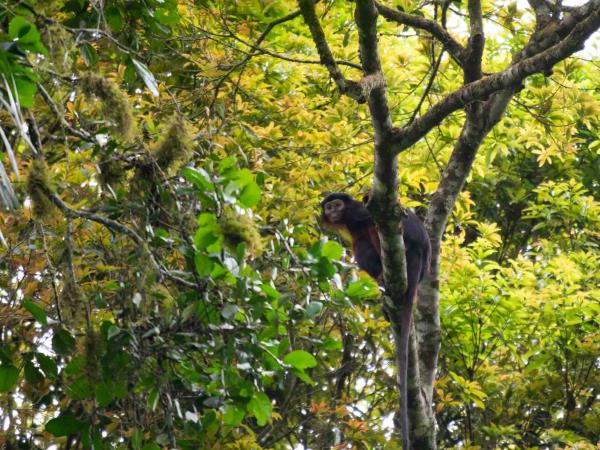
x=333 y=210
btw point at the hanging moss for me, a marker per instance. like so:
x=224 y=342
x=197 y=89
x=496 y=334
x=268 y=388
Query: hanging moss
x=115 y=105
x=59 y=42
x=174 y=145
x=237 y=228
x=38 y=185
x=72 y=303
x=93 y=353
x=111 y=171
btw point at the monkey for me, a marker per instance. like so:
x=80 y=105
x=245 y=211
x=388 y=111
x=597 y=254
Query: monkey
x=341 y=212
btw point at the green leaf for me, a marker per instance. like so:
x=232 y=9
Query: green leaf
x=114 y=18
x=155 y=26
x=112 y=332
x=23 y=31
x=146 y=76
x=151 y=446
x=330 y=344
x=204 y=264
x=313 y=309
x=47 y=364
x=104 y=394
x=8 y=377
x=250 y=195
x=270 y=291
x=362 y=289
x=234 y=415
x=63 y=343
x=36 y=311
x=199 y=178
x=324 y=268
x=136 y=439
x=64 y=425
x=332 y=251
x=90 y=56
x=242 y=177
x=153 y=398
x=33 y=375
x=130 y=74
x=226 y=163
x=208 y=236
x=80 y=388
x=207 y=220
x=303 y=376
x=26 y=90
x=167 y=15
x=300 y=359
x=260 y=406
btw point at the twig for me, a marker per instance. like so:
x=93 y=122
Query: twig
x=427 y=88
x=71 y=268
x=54 y=108
x=52 y=271
x=113 y=225
x=436 y=30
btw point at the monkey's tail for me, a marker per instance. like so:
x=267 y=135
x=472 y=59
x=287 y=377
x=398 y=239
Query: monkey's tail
x=415 y=263
x=404 y=341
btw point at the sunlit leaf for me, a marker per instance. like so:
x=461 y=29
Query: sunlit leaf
x=300 y=359
x=260 y=406
x=146 y=76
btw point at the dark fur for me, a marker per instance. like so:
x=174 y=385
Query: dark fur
x=365 y=240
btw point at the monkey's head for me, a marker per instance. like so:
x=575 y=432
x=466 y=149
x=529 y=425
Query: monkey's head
x=340 y=209
x=334 y=206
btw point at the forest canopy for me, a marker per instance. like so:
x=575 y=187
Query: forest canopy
x=165 y=280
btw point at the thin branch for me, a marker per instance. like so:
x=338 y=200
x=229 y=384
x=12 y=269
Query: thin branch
x=433 y=156
x=453 y=47
x=436 y=67
x=261 y=50
x=52 y=271
x=115 y=226
x=54 y=108
x=108 y=223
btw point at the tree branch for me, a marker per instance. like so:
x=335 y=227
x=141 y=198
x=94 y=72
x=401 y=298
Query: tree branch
x=366 y=20
x=474 y=52
x=454 y=177
x=510 y=78
x=113 y=225
x=553 y=31
x=249 y=56
x=543 y=13
x=454 y=48
x=388 y=215
x=350 y=88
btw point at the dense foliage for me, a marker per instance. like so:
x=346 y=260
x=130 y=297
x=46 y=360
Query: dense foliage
x=164 y=282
